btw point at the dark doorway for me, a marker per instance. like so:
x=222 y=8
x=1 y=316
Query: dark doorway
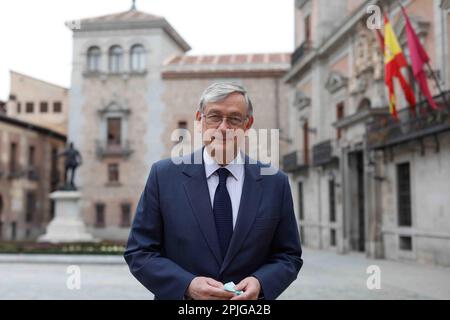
x=357 y=208
x=13 y=230
x=361 y=209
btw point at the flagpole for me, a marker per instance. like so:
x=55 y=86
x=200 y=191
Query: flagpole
x=433 y=75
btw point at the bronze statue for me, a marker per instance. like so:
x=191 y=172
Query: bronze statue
x=72 y=160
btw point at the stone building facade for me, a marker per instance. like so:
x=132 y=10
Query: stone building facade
x=116 y=112
x=132 y=85
x=260 y=74
x=38 y=102
x=362 y=182
x=29 y=172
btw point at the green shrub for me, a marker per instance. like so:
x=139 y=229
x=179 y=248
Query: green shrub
x=104 y=247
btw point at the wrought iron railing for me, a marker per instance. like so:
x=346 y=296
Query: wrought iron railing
x=295 y=161
x=383 y=131
x=16 y=172
x=104 y=149
x=323 y=153
x=33 y=173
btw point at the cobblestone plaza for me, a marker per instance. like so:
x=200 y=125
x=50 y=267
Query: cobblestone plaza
x=325 y=275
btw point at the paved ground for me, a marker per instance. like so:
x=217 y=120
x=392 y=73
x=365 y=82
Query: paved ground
x=324 y=275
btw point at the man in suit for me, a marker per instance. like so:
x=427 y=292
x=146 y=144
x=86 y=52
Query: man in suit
x=201 y=224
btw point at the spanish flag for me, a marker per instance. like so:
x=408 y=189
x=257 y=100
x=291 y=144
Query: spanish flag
x=394 y=61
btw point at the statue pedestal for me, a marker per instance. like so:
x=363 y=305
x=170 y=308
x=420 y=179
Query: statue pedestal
x=67 y=225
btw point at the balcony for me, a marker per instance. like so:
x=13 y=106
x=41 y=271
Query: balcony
x=103 y=75
x=300 y=52
x=113 y=150
x=32 y=173
x=16 y=172
x=295 y=161
x=384 y=131
x=323 y=153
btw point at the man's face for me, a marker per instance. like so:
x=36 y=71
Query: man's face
x=223 y=125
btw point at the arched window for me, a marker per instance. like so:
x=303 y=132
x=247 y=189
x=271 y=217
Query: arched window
x=115 y=59
x=93 y=58
x=137 y=58
x=364 y=105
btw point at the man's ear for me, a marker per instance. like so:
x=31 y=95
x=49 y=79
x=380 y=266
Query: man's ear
x=198 y=116
x=249 y=123
x=198 y=127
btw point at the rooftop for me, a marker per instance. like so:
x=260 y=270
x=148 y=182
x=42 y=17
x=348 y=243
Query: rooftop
x=19 y=74
x=259 y=64
x=126 y=20
x=125 y=16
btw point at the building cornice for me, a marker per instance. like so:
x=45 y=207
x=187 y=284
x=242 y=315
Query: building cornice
x=359 y=117
x=33 y=127
x=223 y=74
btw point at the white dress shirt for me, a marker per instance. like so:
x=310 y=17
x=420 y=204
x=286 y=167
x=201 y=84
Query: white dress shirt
x=235 y=180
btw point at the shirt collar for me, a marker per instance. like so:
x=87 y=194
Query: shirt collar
x=236 y=167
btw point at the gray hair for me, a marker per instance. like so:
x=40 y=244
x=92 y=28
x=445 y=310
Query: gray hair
x=219 y=91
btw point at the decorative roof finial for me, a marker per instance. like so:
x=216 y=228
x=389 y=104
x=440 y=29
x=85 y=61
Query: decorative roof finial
x=133 y=6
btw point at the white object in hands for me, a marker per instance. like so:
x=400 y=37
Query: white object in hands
x=231 y=287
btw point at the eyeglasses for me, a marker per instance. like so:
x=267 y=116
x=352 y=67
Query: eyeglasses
x=214 y=120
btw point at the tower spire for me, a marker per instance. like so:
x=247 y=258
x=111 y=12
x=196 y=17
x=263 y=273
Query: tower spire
x=133 y=5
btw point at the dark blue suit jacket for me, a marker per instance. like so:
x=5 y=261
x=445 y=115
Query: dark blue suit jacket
x=173 y=236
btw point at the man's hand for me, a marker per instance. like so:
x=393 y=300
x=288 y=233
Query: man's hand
x=202 y=288
x=251 y=288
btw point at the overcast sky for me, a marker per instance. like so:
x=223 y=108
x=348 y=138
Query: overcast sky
x=35 y=41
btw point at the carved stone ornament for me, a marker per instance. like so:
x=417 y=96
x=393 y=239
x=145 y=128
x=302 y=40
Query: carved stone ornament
x=335 y=82
x=358 y=84
x=116 y=105
x=301 y=101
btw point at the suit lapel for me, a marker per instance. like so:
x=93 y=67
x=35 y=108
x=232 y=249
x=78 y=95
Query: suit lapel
x=197 y=191
x=248 y=208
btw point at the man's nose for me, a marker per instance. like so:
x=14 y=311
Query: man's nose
x=223 y=126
